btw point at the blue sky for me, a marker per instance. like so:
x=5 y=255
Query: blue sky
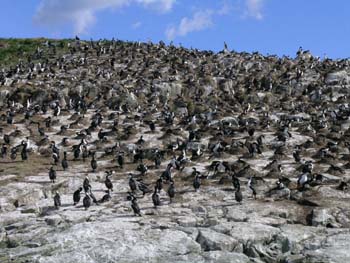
x=268 y=26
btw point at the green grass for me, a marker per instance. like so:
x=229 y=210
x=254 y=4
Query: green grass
x=13 y=50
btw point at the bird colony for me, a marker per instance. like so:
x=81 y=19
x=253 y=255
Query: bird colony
x=117 y=151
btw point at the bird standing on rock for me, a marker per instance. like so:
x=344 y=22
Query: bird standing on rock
x=135 y=207
x=159 y=184
x=87 y=201
x=132 y=184
x=52 y=175
x=143 y=188
x=108 y=181
x=251 y=185
x=57 y=200
x=238 y=195
x=155 y=198
x=235 y=182
x=64 y=162
x=171 y=191
x=107 y=197
x=304 y=179
x=3 y=151
x=121 y=161
x=24 y=154
x=86 y=184
x=76 y=195
x=196 y=182
x=93 y=163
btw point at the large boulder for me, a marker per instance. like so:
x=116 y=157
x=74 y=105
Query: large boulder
x=211 y=240
x=338 y=77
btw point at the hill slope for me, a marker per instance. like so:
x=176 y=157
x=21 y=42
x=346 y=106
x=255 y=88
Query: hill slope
x=235 y=117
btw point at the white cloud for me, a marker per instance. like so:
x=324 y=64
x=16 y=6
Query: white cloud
x=201 y=20
x=136 y=25
x=254 y=9
x=82 y=12
x=225 y=8
x=159 y=5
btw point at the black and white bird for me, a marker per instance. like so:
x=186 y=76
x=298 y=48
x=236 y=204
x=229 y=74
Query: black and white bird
x=252 y=185
x=304 y=179
x=296 y=156
x=86 y=184
x=57 y=111
x=56 y=158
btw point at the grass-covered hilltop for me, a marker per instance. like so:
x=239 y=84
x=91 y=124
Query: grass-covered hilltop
x=115 y=151
x=12 y=51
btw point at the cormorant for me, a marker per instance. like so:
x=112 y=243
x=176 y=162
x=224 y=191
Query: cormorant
x=251 y=185
x=159 y=184
x=57 y=200
x=85 y=153
x=86 y=184
x=235 y=182
x=152 y=126
x=107 y=197
x=93 y=163
x=167 y=173
x=142 y=168
x=52 y=175
x=120 y=160
x=141 y=140
x=64 y=162
x=13 y=155
x=132 y=184
x=87 y=201
x=3 y=151
x=57 y=111
x=76 y=195
x=304 y=179
x=196 y=182
x=135 y=207
x=24 y=154
x=108 y=181
x=238 y=195
x=157 y=161
x=143 y=188
x=296 y=156
x=7 y=138
x=171 y=191
x=155 y=198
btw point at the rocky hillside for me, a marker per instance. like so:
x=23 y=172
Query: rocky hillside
x=110 y=113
